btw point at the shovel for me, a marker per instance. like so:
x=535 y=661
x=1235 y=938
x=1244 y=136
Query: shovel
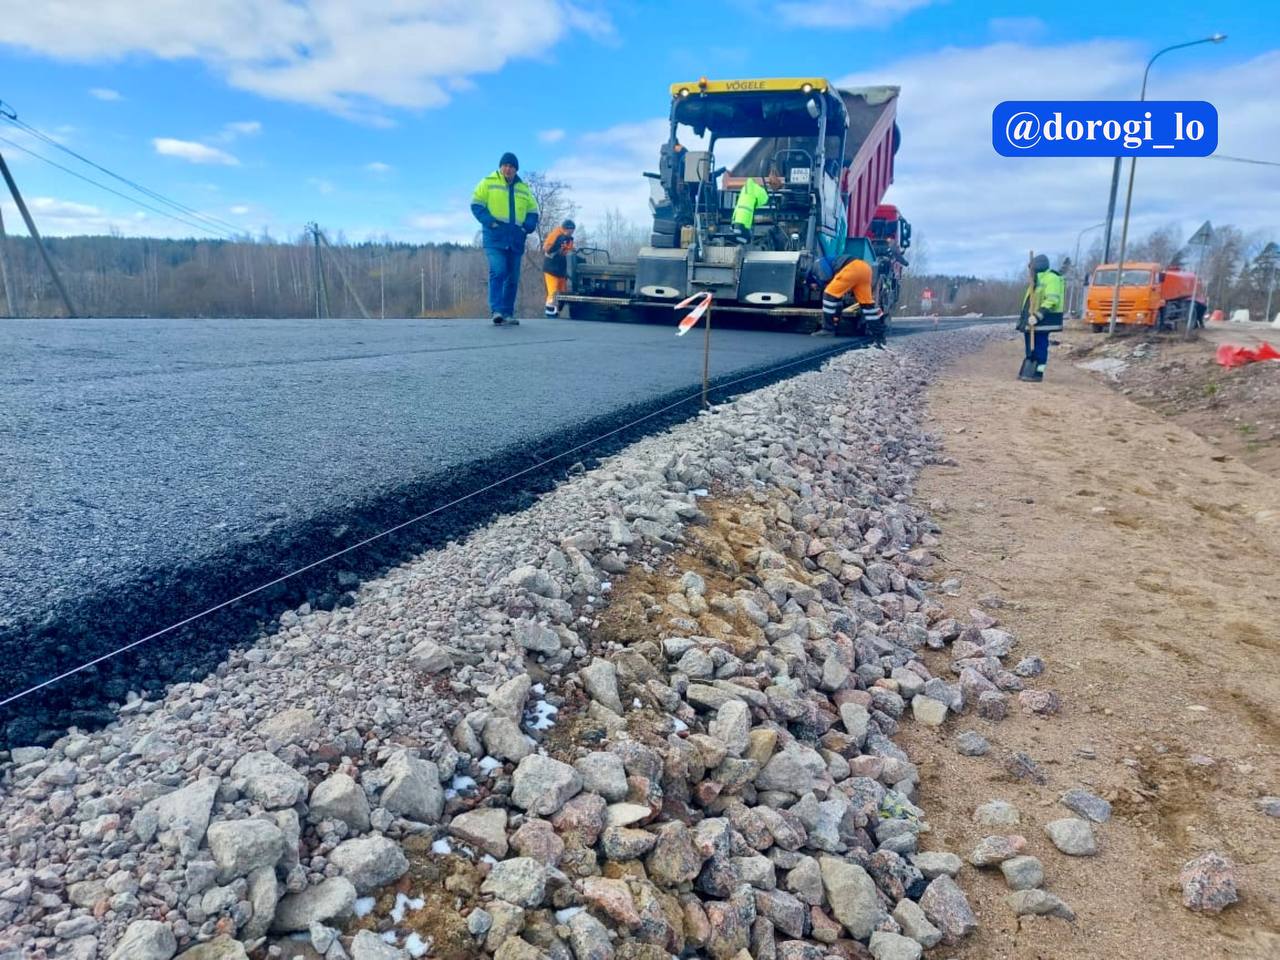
x=1028 y=371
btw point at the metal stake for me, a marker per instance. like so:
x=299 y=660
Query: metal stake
x=706 y=357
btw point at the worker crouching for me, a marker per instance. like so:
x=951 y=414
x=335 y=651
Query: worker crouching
x=852 y=280
x=1041 y=315
x=555 y=264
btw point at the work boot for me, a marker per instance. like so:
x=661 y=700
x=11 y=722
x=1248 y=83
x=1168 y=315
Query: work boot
x=498 y=320
x=550 y=310
x=511 y=322
x=823 y=332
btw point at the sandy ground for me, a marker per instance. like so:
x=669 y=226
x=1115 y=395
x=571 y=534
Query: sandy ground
x=1145 y=569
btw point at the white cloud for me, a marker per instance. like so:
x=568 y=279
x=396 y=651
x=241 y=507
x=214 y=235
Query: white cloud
x=980 y=213
x=378 y=168
x=321 y=185
x=193 y=152
x=239 y=209
x=105 y=93
x=58 y=217
x=450 y=226
x=349 y=58
x=551 y=136
x=242 y=128
x=835 y=14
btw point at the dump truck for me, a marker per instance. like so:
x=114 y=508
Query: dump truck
x=1150 y=296
x=825 y=157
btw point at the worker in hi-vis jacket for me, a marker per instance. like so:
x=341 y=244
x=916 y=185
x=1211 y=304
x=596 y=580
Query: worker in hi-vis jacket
x=1047 y=318
x=555 y=264
x=853 y=277
x=508 y=213
x=751 y=197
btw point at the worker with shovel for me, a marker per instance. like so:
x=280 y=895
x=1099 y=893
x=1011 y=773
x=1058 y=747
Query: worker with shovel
x=1041 y=315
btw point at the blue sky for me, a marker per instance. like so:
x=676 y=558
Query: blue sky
x=377 y=119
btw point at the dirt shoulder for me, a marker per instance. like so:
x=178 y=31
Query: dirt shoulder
x=1142 y=566
x=1234 y=409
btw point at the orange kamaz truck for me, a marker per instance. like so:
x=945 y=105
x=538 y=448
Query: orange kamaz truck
x=1150 y=296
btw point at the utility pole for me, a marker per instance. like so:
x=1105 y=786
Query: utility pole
x=322 y=291
x=9 y=298
x=422 y=291
x=1270 y=253
x=342 y=273
x=382 y=287
x=35 y=235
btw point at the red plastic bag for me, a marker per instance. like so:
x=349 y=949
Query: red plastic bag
x=1230 y=355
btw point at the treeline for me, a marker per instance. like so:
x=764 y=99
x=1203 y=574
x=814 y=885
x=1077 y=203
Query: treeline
x=1234 y=272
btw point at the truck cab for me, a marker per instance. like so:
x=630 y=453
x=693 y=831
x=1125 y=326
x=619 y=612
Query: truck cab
x=1150 y=296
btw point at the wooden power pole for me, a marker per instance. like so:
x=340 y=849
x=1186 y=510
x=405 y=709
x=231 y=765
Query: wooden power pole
x=35 y=235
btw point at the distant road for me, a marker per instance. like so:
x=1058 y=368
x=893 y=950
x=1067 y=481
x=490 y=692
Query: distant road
x=134 y=450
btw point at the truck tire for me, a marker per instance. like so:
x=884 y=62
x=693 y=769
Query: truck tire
x=1099 y=327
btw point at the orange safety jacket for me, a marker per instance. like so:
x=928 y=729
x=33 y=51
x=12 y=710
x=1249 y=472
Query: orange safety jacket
x=557 y=247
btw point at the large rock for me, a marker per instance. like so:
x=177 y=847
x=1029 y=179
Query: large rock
x=222 y=948
x=520 y=880
x=589 y=938
x=264 y=777
x=915 y=924
x=1039 y=903
x=429 y=657
x=1088 y=805
x=291 y=726
x=1023 y=873
x=892 y=946
x=731 y=727
x=603 y=773
x=1208 y=883
x=504 y=739
x=509 y=699
x=484 y=828
x=146 y=940
x=535 y=637
x=947 y=908
x=369 y=862
x=542 y=785
x=1072 y=836
x=331 y=902
x=600 y=678
x=414 y=788
x=673 y=860
x=263 y=893
x=340 y=798
x=852 y=895
x=928 y=711
x=241 y=846
x=367 y=945
x=180 y=819
x=794 y=769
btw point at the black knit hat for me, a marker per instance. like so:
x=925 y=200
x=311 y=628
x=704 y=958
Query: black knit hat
x=569 y=225
x=510 y=158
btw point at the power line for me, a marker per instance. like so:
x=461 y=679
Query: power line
x=146 y=191
x=1260 y=163
x=123 y=196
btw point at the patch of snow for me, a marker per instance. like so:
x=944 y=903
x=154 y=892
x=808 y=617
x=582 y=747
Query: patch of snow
x=544 y=714
x=563 y=916
x=538 y=688
x=701 y=492
x=680 y=725
x=635 y=703
x=364 y=906
x=488 y=858
x=403 y=903
x=490 y=764
x=441 y=846
x=389 y=937
x=416 y=946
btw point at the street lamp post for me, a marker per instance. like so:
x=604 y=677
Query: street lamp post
x=1075 y=261
x=1133 y=162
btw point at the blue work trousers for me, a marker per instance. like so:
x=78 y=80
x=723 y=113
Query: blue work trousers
x=1039 y=350
x=504 y=279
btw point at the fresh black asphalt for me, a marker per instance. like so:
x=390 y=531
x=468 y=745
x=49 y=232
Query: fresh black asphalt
x=151 y=468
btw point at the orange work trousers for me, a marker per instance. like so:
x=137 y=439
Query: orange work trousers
x=555 y=287
x=855 y=276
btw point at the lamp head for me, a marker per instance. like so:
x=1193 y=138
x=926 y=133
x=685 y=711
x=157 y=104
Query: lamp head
x=1218 y=38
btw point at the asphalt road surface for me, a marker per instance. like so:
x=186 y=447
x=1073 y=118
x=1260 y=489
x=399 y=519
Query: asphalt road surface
x=150 y=468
